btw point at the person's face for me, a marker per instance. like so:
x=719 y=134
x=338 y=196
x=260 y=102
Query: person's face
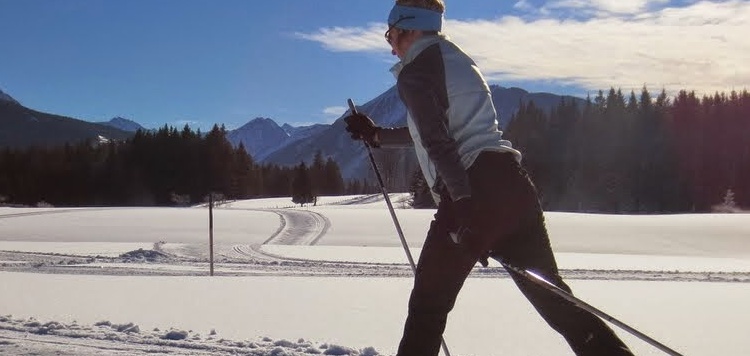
x=399 y=40
x=394 y=38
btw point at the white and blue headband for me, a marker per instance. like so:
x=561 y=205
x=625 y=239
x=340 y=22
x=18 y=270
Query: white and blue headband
x=415 y=18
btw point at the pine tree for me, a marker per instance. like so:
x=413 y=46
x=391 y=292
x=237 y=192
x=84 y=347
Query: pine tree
x=333 y=183
x=528 y=130
x=302 y=192
x=728 y=200
x=317 y=173
x=219 y=160
x=421 y=196
x=241 y=174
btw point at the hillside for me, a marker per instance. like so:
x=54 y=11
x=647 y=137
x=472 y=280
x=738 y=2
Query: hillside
x=24 y=127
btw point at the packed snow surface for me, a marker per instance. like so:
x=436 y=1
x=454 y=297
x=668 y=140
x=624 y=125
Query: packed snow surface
x=332 y=279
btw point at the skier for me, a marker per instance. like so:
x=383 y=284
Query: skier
x=487 y=205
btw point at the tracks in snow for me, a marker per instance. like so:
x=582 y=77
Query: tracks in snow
x=297 y=227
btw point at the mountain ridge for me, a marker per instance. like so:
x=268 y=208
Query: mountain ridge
x=388 y=110
x=122 y=124
x=22 y=127
x=264 y=139
x=5 y=97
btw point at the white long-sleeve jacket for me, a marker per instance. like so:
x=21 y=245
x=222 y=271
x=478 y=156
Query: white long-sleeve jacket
x=450 y=115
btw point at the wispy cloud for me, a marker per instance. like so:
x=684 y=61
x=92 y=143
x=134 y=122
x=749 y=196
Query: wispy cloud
x=606 y=6
x=700 y=46
x=331 y=113
x=334 y=111
x=524 y=5
x=350 y=39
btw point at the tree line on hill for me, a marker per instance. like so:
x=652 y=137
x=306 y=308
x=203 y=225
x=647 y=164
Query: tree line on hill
x=166 y=167
x=639 y=154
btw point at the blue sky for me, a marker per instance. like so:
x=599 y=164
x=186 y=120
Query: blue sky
x=296 y=61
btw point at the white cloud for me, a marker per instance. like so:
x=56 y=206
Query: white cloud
x=523 y=5
x=701 y=46
x=328 y=115
x=350 y=39
x=303 y=123
x=334 y=112
x=609 y=6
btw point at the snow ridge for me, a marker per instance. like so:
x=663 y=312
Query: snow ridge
x=30 y=336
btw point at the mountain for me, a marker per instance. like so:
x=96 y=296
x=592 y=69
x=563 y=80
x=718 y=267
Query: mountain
x=388 y=110
x=123 y=124
x=258 y=136
x=332 y=141
x=507 y=101
x=263 y=136
x=7 y=98
x=301 y=132
x=23 y=127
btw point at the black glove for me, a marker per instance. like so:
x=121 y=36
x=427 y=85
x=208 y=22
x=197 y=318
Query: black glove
x=465 y=234
x=363 y=128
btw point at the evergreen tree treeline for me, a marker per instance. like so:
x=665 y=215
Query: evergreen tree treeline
x=638 y=154
x=166 y=167
x=613 y=153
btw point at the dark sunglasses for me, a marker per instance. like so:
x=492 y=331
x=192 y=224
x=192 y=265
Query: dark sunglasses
x=390 y=27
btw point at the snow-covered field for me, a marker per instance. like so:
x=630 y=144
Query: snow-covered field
x=333 y=280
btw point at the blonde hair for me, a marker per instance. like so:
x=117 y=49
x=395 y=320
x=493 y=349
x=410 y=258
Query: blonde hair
x=434 y=5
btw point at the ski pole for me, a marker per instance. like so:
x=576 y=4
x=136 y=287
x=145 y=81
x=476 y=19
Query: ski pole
x=393 y=213
x=539 y=280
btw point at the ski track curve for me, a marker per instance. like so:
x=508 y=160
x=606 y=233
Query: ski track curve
x=300 y=227
x=296 y=227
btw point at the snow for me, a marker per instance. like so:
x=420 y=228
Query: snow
x=109 y=249
x=565 y=260
x=135 y=225
x=102 y=140
x=333 y=279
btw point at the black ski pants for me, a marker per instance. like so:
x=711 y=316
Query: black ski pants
x=511 y=226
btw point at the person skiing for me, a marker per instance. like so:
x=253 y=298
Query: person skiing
x=487 y=204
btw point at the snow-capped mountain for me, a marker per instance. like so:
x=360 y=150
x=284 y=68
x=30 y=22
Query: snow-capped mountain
x=123 y=124
x=7 y=98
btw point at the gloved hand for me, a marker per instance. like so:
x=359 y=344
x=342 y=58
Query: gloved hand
x=465 y=235
x=363 y=128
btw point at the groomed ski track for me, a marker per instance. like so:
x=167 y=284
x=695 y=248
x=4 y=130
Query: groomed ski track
x=296 y=227
x=299 y=227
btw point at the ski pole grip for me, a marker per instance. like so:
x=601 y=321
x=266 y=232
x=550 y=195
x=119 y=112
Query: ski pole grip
x=351 y=106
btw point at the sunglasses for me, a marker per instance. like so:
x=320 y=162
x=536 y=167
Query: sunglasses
x=390 y=27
